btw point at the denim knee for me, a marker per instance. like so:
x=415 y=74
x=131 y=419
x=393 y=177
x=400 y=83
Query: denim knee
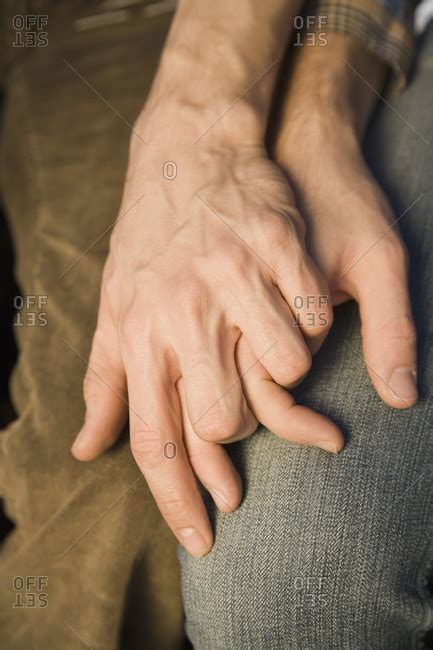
x=310 y=560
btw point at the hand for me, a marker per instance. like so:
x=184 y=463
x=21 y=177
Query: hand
x=197 y=322
x=350 y=227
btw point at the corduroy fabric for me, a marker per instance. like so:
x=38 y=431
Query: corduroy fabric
x=92 y=530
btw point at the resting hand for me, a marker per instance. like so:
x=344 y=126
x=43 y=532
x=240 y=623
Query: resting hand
x=206 y=284
x=352 y=234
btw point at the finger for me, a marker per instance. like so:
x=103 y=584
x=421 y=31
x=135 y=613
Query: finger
x=306 y=293
x=156 y=430
x=211 y=464
x=277 y=410
x=300 y=282
x=216 y=405
x=270 y=329
x=104 y=392
x=379 y=283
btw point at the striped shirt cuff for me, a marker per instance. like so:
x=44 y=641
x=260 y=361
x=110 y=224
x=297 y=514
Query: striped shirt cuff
x=387 y=36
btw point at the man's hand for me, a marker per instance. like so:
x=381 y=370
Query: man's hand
x=199 y=295
x=349 y=221
x=209 y=301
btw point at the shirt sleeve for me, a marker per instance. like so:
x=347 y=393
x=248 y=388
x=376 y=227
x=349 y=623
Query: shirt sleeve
x=385 y=28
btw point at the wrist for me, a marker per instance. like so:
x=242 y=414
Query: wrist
x=195 y=99
x=219 y=66
x=329 y=96
x=181 y=122
x=307 y=134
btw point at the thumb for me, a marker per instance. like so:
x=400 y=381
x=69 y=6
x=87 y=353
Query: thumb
x=388 y=330
x=105 y=393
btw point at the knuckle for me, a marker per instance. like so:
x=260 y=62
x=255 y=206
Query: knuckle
x=325 y=319
x=250 y=425
x=218 y=425
x=148 y=450
x=279 y=232
x=314 y=317
x=196 y=455
x=172 y=508
x=286 y=232
x=287 y=244
x=237 y=262
x=401 y=328
x=293 y=366
x=296 y=224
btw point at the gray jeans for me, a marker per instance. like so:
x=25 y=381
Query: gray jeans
x=333 y=552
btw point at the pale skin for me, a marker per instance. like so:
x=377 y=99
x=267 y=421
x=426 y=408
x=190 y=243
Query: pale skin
x=201 y=329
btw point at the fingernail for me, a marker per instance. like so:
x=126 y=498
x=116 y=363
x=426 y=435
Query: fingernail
x=327 y=446
x=193 y=541
x=403 y=384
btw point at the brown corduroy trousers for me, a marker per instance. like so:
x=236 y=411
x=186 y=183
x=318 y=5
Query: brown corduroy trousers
x=90 y=561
